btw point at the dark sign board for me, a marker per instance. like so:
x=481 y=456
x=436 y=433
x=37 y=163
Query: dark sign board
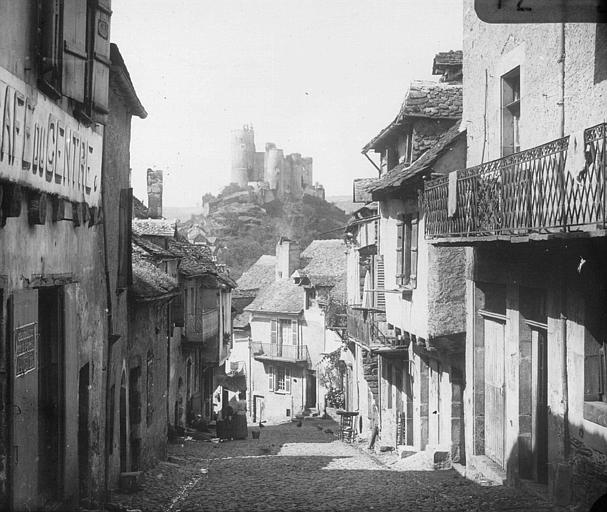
x=26 y=338
x=541 y=11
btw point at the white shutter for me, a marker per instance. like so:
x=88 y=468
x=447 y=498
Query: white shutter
x=294 y=329
x=288 y=380
x=380 y=297
x=273 y=331
x=271 y=378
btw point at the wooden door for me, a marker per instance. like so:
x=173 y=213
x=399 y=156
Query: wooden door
x=494 y=389
x=540 y=441
x=24 y=400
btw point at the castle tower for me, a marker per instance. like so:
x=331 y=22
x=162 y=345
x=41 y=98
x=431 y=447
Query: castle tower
x=296 y=175
x=274 y=165
x=242 y=145
x=154 y=181
x=307 y=177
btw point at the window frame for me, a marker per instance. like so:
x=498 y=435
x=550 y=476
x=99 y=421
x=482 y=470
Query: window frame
x=510 y=111
x=277 y=383
x=407 y=240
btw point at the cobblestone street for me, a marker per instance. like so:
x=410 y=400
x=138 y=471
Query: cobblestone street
x=305 y=468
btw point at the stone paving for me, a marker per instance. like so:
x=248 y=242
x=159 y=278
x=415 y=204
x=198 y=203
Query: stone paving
x=306 y=469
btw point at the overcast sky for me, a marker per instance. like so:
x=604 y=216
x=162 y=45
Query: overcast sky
x=317 y=77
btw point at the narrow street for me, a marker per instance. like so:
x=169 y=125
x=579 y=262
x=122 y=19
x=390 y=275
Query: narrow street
x=305 y=468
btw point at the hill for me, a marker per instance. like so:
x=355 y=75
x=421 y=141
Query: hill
x=242 y=227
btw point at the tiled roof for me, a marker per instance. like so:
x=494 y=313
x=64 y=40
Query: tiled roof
x=196 y=260
x=151 y=248
x=282 y=296
x=258 y=276
x=424 y=99
x=326 y=264
x=401 y=173
x=149 y=282
x=361 y=192
x=154 y=227
x=450 y=58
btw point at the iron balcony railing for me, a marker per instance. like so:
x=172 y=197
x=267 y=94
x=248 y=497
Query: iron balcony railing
x=278 y=352
x=370 y=328
x=528 y=192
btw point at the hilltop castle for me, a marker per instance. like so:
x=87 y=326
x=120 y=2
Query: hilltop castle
x=271 y=173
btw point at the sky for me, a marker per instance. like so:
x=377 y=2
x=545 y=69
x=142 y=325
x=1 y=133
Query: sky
x=320 y=78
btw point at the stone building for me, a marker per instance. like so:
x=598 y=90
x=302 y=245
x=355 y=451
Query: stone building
x=54 y=80
x=286 y=329
x=529 y=208
x=272 y=174
x=117 y=208
x=406 y=311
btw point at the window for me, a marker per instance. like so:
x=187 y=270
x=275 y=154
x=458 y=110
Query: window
x=511 y=112
x=279 y=379
x=406 y=252
x=74 y=51
x=405 y=147
x=283 y=332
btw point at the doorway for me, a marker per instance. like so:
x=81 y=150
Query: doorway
x=123 y=429
x=135 y=416
x=311 y=390
x=83 y=430
x=51 y=405
x=494 y=329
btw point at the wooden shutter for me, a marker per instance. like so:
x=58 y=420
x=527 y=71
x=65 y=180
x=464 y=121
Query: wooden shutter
x=271 y=378
x=273 y=331
x=400 y=237
x=288 y=380
x=74 y=49
x=413 y=253
x=380 y=296
x=294 y=331
x=177 y=311
x=125 y=213
x=50 y=45
x=592 y=369
x=101 y=56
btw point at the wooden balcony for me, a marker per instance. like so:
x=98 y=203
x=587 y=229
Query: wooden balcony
x=203 y=327
x=528 y=195
x=281 y=353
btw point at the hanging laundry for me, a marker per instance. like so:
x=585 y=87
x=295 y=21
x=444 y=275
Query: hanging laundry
x=452 y=194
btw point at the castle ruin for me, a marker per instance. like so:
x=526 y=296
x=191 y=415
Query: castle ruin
x=271 y=173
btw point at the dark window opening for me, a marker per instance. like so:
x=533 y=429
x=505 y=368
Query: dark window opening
x=511 y=112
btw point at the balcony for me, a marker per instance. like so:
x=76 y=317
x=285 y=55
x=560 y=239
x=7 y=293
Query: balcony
x=277 y=352
x=525 y=196
x=202 y=327
x=370 y=328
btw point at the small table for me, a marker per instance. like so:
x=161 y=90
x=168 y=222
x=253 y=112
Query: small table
x=346 y=428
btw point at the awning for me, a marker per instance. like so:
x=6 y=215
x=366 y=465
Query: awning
x=234 y=380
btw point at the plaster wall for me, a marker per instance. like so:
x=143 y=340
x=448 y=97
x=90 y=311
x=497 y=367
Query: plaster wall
x=490 y=50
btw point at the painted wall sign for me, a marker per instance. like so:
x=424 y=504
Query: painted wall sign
x=26 y=337
x=43 y=147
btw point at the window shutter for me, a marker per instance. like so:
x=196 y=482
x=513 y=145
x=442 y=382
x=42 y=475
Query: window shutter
x=288 y=380
x=413 y=271
x=101 y=56
x=271 y=378
x=592 y=369
x=294 y=331
x=177 y=310
x=50 y=46
x=380 y=296
x=74 y=49
x=400 y=237
x=274 y=332
x=124 y=238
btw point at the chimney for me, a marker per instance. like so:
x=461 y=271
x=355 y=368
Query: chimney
x=155 y=193
x=287 y=258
